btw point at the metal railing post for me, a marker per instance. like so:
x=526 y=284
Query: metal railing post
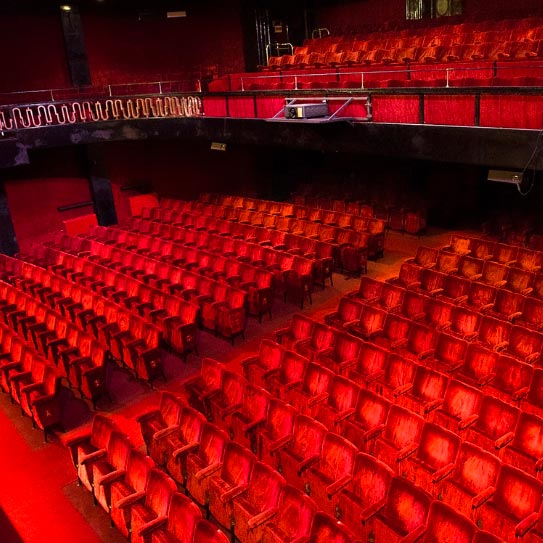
x=109 y=87
x=447 y=71
x=160 y=87
x=362 y=80
x=242 y=87
x=295 y=82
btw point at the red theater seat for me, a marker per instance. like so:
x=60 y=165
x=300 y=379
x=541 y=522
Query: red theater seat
x=288 y=376
x=445 y=524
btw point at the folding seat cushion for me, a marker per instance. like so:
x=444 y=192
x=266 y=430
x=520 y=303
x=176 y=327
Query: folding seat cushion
x=130 y=489
x=302 y=450
x=364 y=496
x=275 y=432
x=482 y=248
x=507 y=305
x=512 y=379
x=420 y=342
x=426 y=257
x=202 y=386
x=395 y=332
x=471 y=268
x=153 y=509
x=183 y=516
x=258 y=503
x=391 y=298
x=249 y=416
x=435 y=457
x=405 y=511
x=409 y=276
x=369 y=290
x=321 y=342
x=479 y=366
x=174 y=447
x=166 y=417
x=314 y=389
x=371 y=323
x=495 y=424
x=227 y=400
x=512 y=510
x=230 y=482
x=480 y=297
x=400 y=437
x=475 y=473
x=109 y=467
x=397 y=378
x=343 y=355
x=370 y=365
x=331 y=472
x=445 y=524
x=207 y=532
x=300 y=328
x=205 y=461
x=459 y=244
x=495 y=274
x=431 y=282
x=340 y=404
x=529 y=260
x=505 y=254
x=525 y=345
x=347 y=314
x=414 y=306
x=448 y=262
x=465 y=324
x=288 y=376
x=426 y=392
x=520 y=281
x=455 y=288
x=269 y=358
x=294 y=517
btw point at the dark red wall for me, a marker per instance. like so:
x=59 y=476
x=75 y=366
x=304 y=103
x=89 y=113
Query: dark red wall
x=121 y=48
x=33 y=54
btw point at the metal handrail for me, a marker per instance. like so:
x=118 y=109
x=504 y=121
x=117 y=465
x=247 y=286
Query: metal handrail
x=277 y=45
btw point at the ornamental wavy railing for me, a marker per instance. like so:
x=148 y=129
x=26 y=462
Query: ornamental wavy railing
x=106 y=109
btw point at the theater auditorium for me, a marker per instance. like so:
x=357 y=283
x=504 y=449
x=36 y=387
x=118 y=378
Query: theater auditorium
x=271 y=271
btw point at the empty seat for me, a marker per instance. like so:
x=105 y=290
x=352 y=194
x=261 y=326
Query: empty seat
x=257 y=368
x=445 y=524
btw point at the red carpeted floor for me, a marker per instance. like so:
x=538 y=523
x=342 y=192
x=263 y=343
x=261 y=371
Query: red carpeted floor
x=39 y=498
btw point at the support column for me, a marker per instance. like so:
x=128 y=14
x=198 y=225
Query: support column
x=8 y=241
x=100 y=186
x=76 y=54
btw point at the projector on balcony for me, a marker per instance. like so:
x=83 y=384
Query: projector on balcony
x=501 y=176
x=307 y=111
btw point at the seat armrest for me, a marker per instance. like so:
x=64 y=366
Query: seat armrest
x=127 y=501
x=501 y=442
x=149 y=415
x=482 y=497
x=467 y=422
x=93 y=456
x=208 y=471
x=402 y=389
x=434 y=404
x=526 y=524
x=338 y=485
x=367 y=513
x=280 y=443
x=152 y=525
x=307 y=463
x=165 y=432
x=184 y=450
x=109 y=478
x=233 y=493
x=263 y=517
x=415 y=535
x=406 y=452
x=442 y=473
x=340 y=417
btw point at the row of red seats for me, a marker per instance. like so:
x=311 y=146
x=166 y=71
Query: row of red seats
x=30 y=380
x=76 y=355
x=148 y=313
x=359 y=489
x=141 y=499
x=409 y=217
x=360 y=222
x=515 y=229
x=241 y=491
x=503 y=253
x=256 y=246
x=297 y=233
x=285 y=209
x=143 y=281
x=422 y=319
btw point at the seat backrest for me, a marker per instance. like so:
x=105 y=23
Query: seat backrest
x=102 y=428
x=326 y=529
x=170 y=408
x=237 y=464
x=295 y=513
x=213 y=441
x=461 y=401
x=371 y=480
x=517 y=493
x=158 y=492
x=476 y=469
x=317 y=379
x=280 y=419
x=308 y=435
x=337 y=457
x=529 y=435
x=407 y=505
x=445 y=524
x=293 y=367
x=264 y=488
x=399 y=371
x=138 y=468
x=438 y=447
x=496 y=418
x=206 y=532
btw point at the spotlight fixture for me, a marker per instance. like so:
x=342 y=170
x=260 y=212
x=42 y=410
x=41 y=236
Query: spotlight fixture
x=66 y=7
x=500 y=176
x=218 y=146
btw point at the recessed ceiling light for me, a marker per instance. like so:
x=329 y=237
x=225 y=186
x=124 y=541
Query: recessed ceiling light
x=66 y=7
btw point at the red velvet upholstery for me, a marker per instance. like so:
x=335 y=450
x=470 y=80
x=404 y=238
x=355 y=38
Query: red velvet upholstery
x=347 y=314
x=405 y=511
x=205 y=461
x=425 y=394
x=343 y=355
x=340 y=405
x=322 y=339
x=205 y=384
x=370 y=365
x=293 y=519
x=302 y=451
x=229 y=482
x=300 y=328
x=289 y=376
x=398 y=377
x=445 y=524
x=314 y=390
x=371 y=323
x=183 y=516
x=227 y=400
x=258 y=503
x=369 y=290
x=269 y=358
